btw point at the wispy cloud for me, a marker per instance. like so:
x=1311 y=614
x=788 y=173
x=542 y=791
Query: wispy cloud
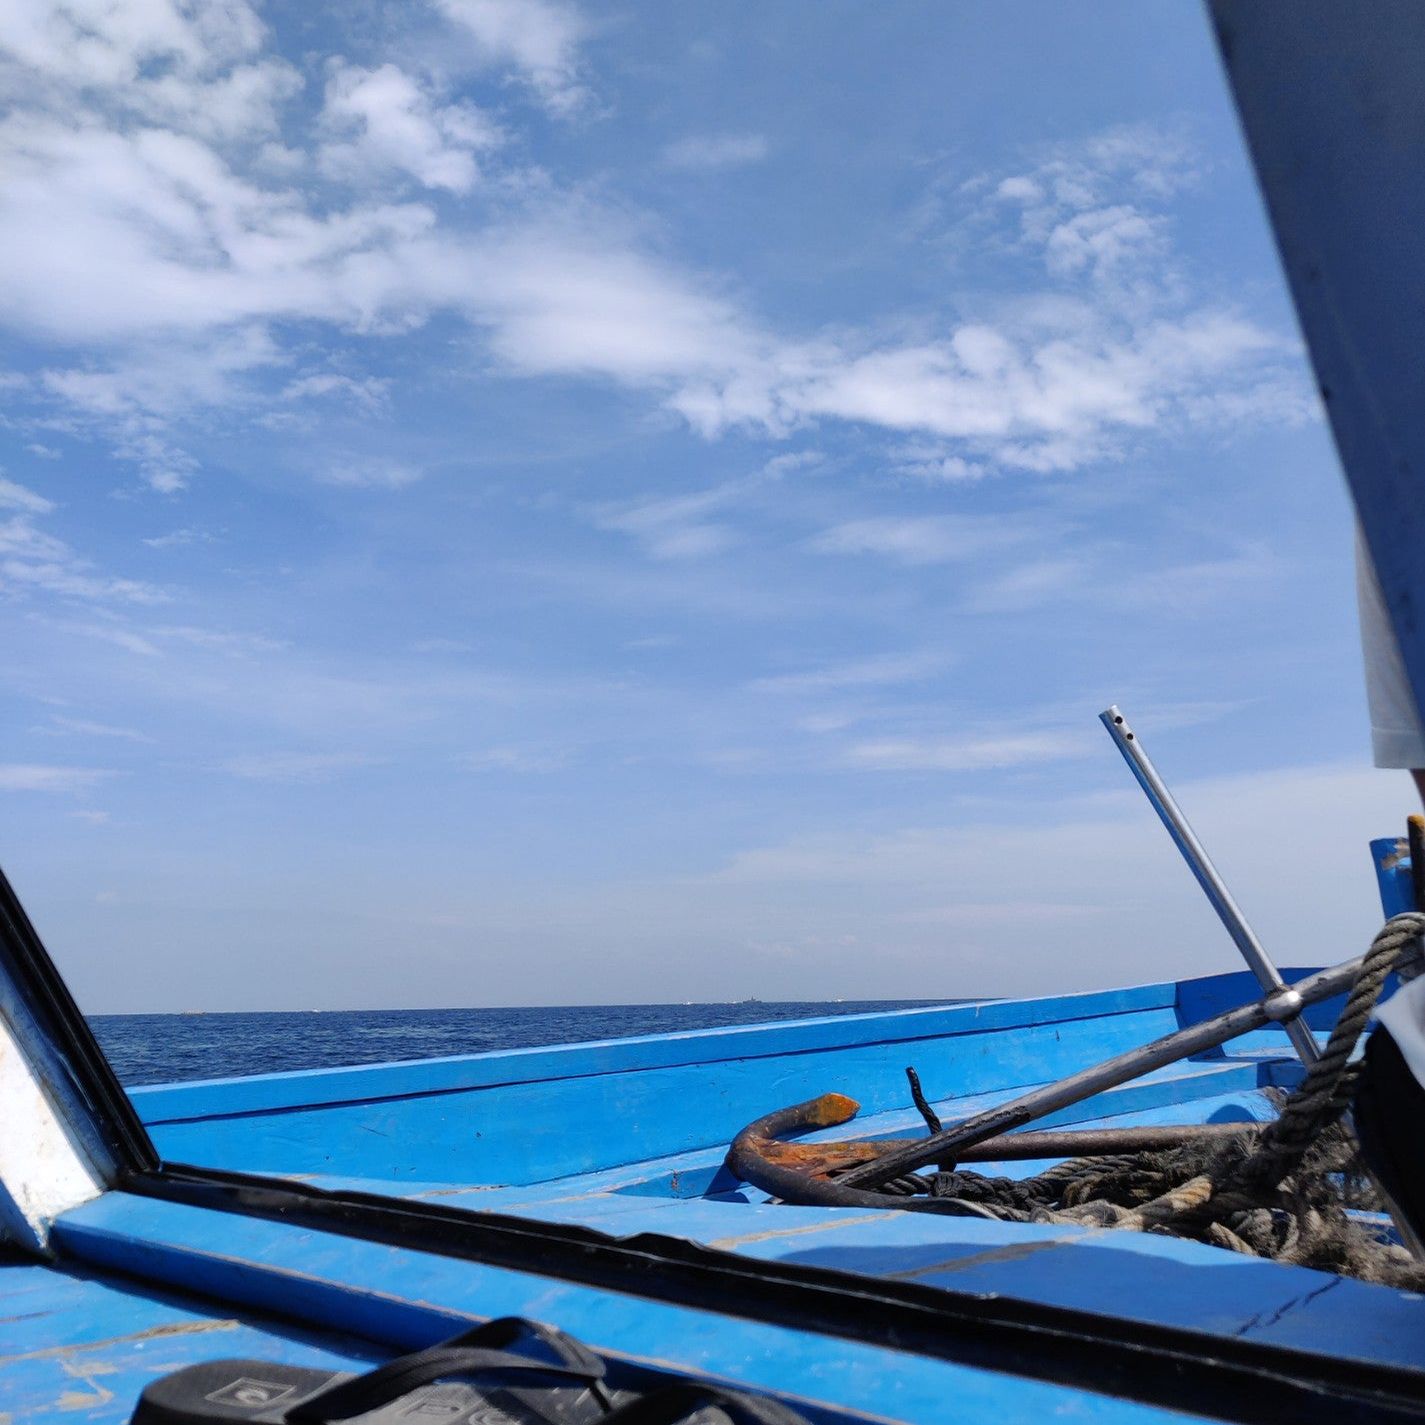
x=1030 y=585
x=115 y=634
x=1091 y=208
x=935 y=464
x=518 y=759
x=294 y=766
x=361 y=473
x=35 y=777
x=198 y=253
x=922 y=539
x=886 y=670
x=17 y=497
x=699 y=523
x=701 y=153
x=178 y=537
x=1196 y=584
x=539 y=39
x=965 y=754
x=217 y=640
x=84 y=727
x=367 y=393
x=33 y=561
x=678 y=527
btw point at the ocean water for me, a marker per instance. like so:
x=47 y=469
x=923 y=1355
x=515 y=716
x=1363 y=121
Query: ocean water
x=165 y=1048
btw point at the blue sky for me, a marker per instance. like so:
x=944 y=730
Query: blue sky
x=515 y=502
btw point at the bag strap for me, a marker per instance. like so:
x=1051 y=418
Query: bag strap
x=675 y=1403
x=477 y=1352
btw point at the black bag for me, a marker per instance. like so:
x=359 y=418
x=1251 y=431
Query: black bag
x=506 y=1372
x=1390 y=1123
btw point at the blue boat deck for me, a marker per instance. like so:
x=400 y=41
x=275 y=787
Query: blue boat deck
x=77 y=1346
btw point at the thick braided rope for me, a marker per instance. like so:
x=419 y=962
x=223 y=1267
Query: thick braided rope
x=1321 y=1097
x=1265 y=1193
x=1230 y=1188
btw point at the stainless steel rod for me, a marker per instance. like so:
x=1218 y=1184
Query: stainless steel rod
x=1200 y=863
x=1120 y=1069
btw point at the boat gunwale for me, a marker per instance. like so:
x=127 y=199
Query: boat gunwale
x=394 y=1080
x=257 y=1093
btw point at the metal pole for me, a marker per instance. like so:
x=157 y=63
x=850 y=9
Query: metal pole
x=1258 y=961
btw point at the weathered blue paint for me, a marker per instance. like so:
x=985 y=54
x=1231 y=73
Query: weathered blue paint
x=314 y=1276
x=1390 y=855
x=1201 y=998
x=78 y=1347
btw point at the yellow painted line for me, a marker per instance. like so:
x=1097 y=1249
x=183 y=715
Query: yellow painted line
x=776 y=1232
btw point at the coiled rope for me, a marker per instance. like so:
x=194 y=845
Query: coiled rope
x=1284 y=1190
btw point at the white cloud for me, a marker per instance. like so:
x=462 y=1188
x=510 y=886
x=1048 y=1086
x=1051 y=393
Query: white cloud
x=1031 y=585
x=703 y=152
x=369 y=393
x=361 y=473
x=1092 y=210
x=218 y=640
x=294 y=766
x=186 y=254
x=33 y=777
x=84 y=727
x=151 y=231
x=17 y=497
x=1104 y=242
x=675 y=528
x=32 y=560
x=381 y=121
x=925 y=539
x=884 y=671
x=178 y=537
x=149 y=57
x=538 y=38
x=965 y=754
x=112 y=633
x=1194 y=585
x=134 y=401
x=519 y=759
x=936 y=465
x=694 y=525
x=65 y=579
x=1124 y=165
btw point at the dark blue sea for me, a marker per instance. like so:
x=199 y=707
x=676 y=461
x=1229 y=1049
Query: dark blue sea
x=164 y=1048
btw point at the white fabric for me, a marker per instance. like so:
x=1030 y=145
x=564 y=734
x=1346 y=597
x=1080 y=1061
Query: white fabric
x=1404 y=1015
x=1397 y=739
